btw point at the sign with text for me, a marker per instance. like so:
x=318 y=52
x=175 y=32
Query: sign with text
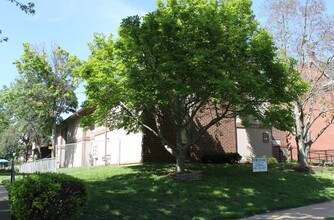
x=259 y=164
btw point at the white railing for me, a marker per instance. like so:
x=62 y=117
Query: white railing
x=43 y=165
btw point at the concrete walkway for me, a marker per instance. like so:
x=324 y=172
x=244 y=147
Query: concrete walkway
x=4 y=206
x=316 y=211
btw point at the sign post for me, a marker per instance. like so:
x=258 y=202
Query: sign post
x=259 y=164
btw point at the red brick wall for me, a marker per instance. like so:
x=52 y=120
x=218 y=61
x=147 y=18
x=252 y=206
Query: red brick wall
x=326 y=140
x=152 y=148
x=220 y=137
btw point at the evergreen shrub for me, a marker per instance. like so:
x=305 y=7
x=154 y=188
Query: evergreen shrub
x=221 y=157
x=47 y=196
x=271 y=160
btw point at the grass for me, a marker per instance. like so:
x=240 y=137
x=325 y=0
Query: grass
x=225 y=191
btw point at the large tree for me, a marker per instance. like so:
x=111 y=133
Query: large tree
x=184 y=61
x=303 y=30
x=28 y=8
x=45 y=89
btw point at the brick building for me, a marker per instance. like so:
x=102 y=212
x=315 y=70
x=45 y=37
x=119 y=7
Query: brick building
x=99 y=146
x=229 y=136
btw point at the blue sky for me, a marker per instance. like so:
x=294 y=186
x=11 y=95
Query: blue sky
x=68 y=23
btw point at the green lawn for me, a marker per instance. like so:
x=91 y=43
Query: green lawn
x=225 y=191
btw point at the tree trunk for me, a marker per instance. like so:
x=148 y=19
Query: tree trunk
x=26 y=153
x=182 y=144
x=180 y=161
x=38 y=146
x=302 y=153
x=54 y=137
x=299 y=134
x=302 y=159
x=39 y=153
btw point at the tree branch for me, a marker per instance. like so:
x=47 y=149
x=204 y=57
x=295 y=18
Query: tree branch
x=210 y=124
x=156 y=133
x=28 y=8
x=322 y=130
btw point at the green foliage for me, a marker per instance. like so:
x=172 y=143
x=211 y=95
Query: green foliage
x=221 y=157
x=47 y=82
x=10 y=136
x=47 y=196
x=271 y=160
x=28 y=8
x=196 y=44
x=34 y=103
x=187 y=59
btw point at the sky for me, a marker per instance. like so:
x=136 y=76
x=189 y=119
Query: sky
x=69 y=24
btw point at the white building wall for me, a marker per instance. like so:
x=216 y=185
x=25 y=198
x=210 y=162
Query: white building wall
x=125 y=148
x=119 y=148
x=250 y=143
x=77 y=155
x=96 y=146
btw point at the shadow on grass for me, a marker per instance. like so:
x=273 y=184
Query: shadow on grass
x=224 y=192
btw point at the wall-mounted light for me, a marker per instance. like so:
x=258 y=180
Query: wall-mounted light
x=265 y=137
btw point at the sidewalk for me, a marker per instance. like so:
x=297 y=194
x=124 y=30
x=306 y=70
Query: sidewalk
x=316 y=211
x=4 y=206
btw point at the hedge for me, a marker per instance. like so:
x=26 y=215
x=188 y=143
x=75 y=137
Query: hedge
x=47 y=196
x=221 y=157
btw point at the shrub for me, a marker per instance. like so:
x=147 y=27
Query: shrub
x=221 y=157
x=271 y=160
x=47 y=196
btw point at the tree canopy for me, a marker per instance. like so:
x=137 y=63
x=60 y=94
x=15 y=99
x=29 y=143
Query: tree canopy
x=186 y=60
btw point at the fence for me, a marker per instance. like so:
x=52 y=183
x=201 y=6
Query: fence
x=321 y=156
x=44 y=165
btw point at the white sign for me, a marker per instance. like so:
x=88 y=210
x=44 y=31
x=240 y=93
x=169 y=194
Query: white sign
x=259 y=164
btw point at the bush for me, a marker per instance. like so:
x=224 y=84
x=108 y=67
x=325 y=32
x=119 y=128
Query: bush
x=271 y=160
x=47 y=196
x=221 y=157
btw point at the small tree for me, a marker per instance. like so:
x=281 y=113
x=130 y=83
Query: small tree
x=28 y=122
x=303 y=30
x=186 y=60
x=11 y=135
